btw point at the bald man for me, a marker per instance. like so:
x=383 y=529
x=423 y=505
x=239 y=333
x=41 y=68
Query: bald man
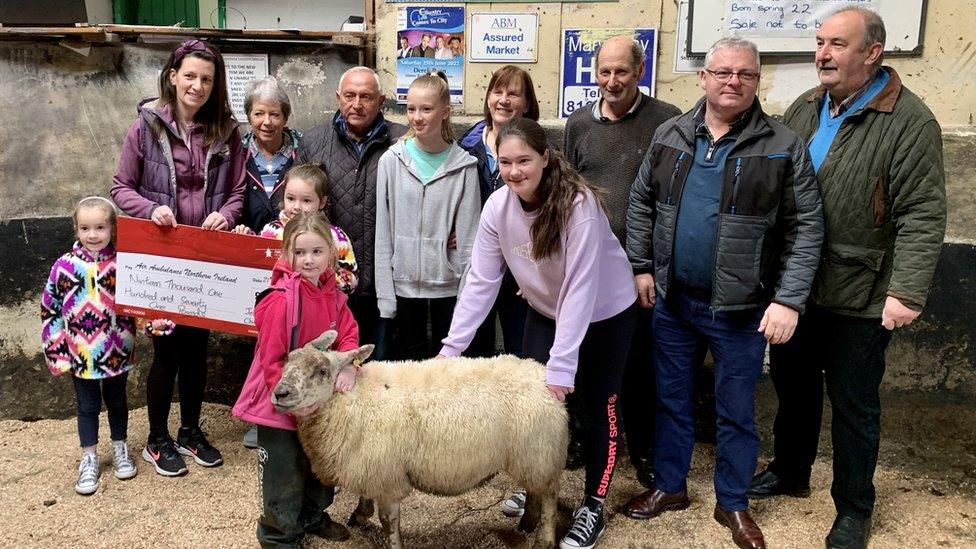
x=349 y=149
x=606 y=141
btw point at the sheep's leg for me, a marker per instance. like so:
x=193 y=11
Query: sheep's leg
x=531 y=517
x=545 y=537
x=361 y=515
x=390 y=519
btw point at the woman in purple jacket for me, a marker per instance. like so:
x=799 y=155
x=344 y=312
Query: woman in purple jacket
x=549 y=228
x=182 y=162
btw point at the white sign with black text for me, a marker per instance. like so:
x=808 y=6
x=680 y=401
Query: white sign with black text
x=504 y=37
x=242 y=68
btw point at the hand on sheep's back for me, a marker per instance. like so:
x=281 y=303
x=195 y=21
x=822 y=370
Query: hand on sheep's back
x=346 y=379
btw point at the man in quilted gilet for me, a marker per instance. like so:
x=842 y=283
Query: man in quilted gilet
x=348 y=149
x=877 y=150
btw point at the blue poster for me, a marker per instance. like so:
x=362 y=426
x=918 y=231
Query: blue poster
x=430 y=38
x=578 y=65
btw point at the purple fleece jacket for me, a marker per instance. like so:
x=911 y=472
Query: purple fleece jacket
x=589 y=279
x=182 y=174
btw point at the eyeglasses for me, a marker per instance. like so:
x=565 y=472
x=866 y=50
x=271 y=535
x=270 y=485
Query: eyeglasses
x=746 y=77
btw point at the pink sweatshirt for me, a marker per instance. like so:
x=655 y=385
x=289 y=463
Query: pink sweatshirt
x=588 y=280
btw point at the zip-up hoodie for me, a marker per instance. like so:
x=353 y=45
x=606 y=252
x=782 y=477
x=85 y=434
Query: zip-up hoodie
x=295 y=304
x=166 y=170
x=414 y=222
x=80 y=331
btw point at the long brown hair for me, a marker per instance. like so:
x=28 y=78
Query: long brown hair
x=216 y=114
x=557 y=189
x=505 y=76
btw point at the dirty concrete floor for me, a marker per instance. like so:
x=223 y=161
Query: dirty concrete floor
x=926 y=497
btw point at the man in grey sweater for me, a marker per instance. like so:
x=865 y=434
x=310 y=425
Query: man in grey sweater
x=606 y=141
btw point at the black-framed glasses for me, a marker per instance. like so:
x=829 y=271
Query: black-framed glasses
x=746 y=77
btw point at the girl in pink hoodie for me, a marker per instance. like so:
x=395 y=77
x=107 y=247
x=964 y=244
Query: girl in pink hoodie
x=303 y=302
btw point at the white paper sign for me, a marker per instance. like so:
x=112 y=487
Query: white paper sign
x=782 y=17
x=242 y=68
x=195 y=288
x=504 y=37
x=683 y=63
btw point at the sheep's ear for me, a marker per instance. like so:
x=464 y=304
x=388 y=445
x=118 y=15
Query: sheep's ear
x=324 y=341
x=355 y=356
x=362 y=353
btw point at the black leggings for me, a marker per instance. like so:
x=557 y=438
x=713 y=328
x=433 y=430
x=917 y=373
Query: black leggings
x=602 y=357
x=181 y=354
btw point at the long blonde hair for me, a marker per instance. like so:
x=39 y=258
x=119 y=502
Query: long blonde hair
x=307 y=222
x=436 y=81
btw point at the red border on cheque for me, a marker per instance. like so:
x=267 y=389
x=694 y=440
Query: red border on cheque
x=223 y=263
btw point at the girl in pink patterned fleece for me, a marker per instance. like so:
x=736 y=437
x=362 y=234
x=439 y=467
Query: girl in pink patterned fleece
x=82 y=335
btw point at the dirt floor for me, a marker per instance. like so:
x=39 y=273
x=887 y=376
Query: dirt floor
x=926 y=498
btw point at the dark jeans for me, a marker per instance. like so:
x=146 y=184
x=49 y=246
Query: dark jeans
x=89 y=394
x=372 y=328
x=293 y=501
x=638 y=398
x=412 y=317
x=683 y=326
x=183 y=355
x=511 y=310
x=600 y=370
x=848 y=354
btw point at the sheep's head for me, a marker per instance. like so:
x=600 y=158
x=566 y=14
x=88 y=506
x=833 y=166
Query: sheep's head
x=309 y=374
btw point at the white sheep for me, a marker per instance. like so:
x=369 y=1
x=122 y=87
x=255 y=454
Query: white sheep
x=443 y=427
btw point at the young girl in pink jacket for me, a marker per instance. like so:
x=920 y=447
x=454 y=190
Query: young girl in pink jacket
x=302 y=303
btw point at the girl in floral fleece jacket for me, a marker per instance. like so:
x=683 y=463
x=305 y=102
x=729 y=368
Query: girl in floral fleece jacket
x=82 y=334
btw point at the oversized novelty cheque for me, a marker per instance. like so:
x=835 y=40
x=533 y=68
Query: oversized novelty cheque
x=205 y=279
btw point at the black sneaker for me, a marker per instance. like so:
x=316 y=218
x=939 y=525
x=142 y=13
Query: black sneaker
x=162 y=454
x=191 y=441
x=587 y=526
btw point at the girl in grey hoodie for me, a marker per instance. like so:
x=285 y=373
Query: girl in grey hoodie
x=427 y=194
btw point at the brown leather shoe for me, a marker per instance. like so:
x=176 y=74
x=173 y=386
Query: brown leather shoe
x=745 y=533
x=654 y=502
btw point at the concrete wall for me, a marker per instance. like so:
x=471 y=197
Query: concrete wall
x=64 y=116
x=945 y=75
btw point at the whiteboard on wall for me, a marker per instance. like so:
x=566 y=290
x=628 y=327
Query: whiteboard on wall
x=789 y=27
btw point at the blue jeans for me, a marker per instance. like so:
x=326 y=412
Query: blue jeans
x=90 y=393
x=683 y=328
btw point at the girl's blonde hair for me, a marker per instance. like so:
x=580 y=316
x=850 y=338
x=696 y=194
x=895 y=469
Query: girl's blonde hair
x=97 y=202
x=436 y=81
x=308 y=222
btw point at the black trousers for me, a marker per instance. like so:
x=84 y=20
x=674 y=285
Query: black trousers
x=181 y=355
x=293 y=501
x=847 y=355
x=411 y=320
x=89 y=394
x=638 y=399
x=372 y=328
x=599 y=373
x=511 y=309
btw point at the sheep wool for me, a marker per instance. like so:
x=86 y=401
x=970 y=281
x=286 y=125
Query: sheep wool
x=443 y=427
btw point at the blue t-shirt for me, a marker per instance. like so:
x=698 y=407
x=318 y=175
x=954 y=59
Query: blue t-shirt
x=827 y=130
x=427 y=163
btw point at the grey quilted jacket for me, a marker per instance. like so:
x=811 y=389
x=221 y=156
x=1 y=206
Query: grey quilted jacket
x=770 y=223
x=352 y=186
